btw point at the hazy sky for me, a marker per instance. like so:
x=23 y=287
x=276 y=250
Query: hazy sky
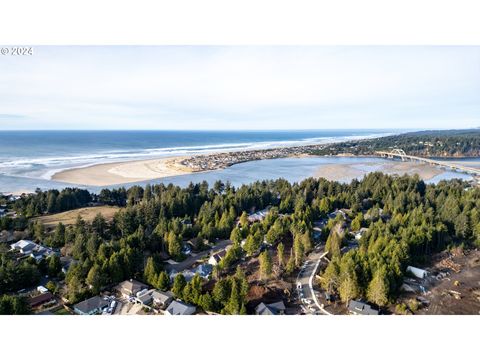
x=241 y=88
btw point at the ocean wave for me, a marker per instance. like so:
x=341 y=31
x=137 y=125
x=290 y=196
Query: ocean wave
x=46 y=167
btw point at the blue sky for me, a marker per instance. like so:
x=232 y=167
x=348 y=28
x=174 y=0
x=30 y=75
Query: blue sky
x=258 y=87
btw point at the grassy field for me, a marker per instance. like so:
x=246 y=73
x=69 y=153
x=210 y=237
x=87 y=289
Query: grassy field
x=69 y=217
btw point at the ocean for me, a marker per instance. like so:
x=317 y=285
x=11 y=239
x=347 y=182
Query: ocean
x=28 y=159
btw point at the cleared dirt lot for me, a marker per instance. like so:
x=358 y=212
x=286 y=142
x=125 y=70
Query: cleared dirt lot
x=70 y=217
x=454 y=287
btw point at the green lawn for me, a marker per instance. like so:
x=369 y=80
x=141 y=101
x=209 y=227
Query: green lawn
x=61 y=311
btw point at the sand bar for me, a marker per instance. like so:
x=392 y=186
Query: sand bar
x=343 y=172
x=123 y=172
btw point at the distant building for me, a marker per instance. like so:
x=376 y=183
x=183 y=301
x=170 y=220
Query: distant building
x=359 y=234
x=277 y=308
x=258 y=216
x=36 y=251
x=216 y=258
x=419 y=273
x=92 y=306
x=361 y=308
x=204 y=270
x=195 y=244
x=188 y=275
x=334 y=214
x=24 y=246
x=66 y=262
x=180 y=308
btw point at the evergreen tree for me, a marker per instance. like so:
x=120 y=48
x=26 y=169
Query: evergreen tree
x=378 y=288
x=179 y=284
x=280 y=254
x=265 y=264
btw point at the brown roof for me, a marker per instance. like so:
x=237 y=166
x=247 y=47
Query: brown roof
x=40 y=299
x=131 y=286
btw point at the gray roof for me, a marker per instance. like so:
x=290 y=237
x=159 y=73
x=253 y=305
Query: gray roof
x=92 y=304
x=162 y=296
x=204 y=270
x=361 y=308
x=180 y=308
x=270 y=309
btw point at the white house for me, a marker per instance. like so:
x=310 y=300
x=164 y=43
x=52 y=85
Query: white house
x=24 y=246
x=216 y=258
x=419 y=273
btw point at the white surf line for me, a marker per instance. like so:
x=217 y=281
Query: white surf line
x=310 y=284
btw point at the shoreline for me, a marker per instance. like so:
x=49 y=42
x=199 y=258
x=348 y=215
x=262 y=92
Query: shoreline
x=124 y=172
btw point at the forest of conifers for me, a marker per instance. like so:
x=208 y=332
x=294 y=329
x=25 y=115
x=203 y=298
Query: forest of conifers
x=433 y=143
x=407 y=220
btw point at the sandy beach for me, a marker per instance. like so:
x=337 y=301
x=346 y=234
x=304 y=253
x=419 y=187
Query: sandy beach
x=341 y=172
x=123 y=172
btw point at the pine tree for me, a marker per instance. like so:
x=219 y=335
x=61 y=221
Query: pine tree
x=163 y=281
x=94 y=278
x=265 y=264
x=280 y=254
x=290 y=268
x=179 y=284
x=331 y=277
x=377 y=291
x=348 y=288
x=150 y=271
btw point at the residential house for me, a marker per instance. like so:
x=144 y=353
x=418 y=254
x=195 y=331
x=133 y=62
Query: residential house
x=180 y=308
x=204 y=270
x=196 y=244
x=130 y=288
x=36 y=251
x=41 y=252
x=188 y=275
x=277 y=308
x=334 y=214
x=41 y=299
x=361 y=308
x=359 y=234
x=24 y=246
x=92 y=306
x=162 y=298
x=258 y=216
x=66 y=262
x=216 y=258
x=419 y=273
x=144 y=297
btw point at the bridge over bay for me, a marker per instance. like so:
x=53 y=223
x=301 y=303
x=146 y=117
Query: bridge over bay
x=400 y=154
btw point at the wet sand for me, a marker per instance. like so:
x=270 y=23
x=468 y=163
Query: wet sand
x=123 y=172
x=342 y=172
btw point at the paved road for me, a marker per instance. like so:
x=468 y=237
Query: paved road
x=304 y=283
x=193 y=258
